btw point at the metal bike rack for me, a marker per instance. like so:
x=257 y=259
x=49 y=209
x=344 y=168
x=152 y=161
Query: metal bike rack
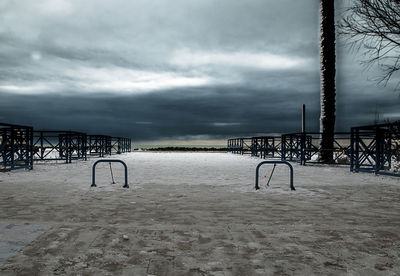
x=275 y=162
x=107 y=161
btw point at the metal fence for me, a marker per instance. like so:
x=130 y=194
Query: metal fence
x=303 y=147
x=375 y=147
x=15 y=147
x=266 y=146
x=59 y=145
x=120 y=145
x=239 y=145
x=20 y=146
x=99 y=145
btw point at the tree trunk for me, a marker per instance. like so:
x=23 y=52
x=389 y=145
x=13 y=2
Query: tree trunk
x=327 y=71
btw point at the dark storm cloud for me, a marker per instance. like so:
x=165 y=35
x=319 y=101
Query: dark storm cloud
x=169 y=69
x=221 y=112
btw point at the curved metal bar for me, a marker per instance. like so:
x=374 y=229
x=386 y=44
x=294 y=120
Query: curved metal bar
x=275 y=162
x=107 y=161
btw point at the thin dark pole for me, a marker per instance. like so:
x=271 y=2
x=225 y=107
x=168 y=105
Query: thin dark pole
x=303 y=119
x=303 y=136
x=112 y=176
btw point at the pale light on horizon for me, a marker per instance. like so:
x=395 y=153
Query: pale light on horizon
x=262 y=60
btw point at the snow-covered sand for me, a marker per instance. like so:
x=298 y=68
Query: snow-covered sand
x=198 y=214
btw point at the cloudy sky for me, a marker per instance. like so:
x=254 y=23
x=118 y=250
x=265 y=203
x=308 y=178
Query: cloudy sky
x=181 y=69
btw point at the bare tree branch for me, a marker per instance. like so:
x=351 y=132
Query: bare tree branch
x=373 y=26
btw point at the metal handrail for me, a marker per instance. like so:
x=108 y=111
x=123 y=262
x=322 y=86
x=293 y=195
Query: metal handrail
x=275 y=162
x=112 y=161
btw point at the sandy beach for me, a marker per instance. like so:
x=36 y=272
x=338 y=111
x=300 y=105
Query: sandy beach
x=197 y=214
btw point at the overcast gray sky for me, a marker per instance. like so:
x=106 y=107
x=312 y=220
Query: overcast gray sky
x=175 y=69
